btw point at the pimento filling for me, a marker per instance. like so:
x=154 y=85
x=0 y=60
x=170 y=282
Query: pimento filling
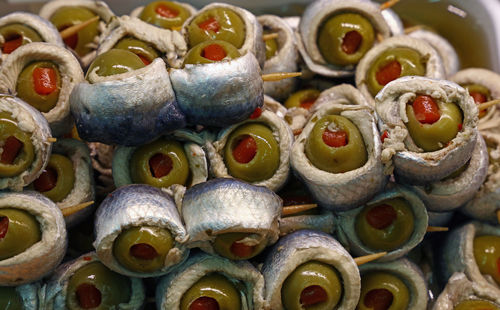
x=71 y=41
x=88 y=296
x=245 y=149
x=388 y=73
x=143 y=251
x=381 y=217
x=313 y=295
x=426 y=110
x=204 y=303
x=214 y=52
x=241 y=250
x=12 y=43
x=378 y=299
x=10 y=150
x=45 y=81
x=351 y=42
x=210 y=24
x=166 y=11
x=4 y=226
x=47 y=180
x=335 y=138
x=160 y=165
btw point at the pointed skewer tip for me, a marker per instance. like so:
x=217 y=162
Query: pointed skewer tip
x=273 y=77
x=436 y=229
x=487 y=104
x=368 y=258
x=73 y=209
x=289 y=210
x=388 y=4
x=269 y=36
x=52 y=140
x=68 y=32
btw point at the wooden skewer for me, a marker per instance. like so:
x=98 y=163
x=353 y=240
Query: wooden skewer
x=269 y=36
x=368 y=258
x=73 y=209
x=498 y=216
x=380 y=37
x=52 y=140
x=436 y=228
x=68 y=32
x=273 y=77
x=289 y=210
x=413 y=28
x=487 y=104
x=388 y=4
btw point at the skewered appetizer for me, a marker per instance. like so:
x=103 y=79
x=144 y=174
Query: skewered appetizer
x=165 y=14
x=23 y=297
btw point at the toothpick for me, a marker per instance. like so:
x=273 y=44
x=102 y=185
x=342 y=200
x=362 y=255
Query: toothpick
x=388 y=4
x=289 y=210
x=380 y=37
x=52 y=140
x=68 y=32
x=269 y=36
x=368 y=258
x=413 y=28
x=487 y=104
x=436 y=228
x=73 y=209
x=273 y=77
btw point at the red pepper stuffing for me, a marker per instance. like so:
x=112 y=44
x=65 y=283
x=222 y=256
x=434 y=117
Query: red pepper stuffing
x=245 y=150
x=256 y=113
x=426 y=110
x=144 y=59
x=143 y=251
x=11 y=149
x=384 y=136
x=388 y=73
x=88 y=296
x=335 y=138
x=45 y=80
x=381 y=217
x=210 y=24
x=307 y=103
x=312 y=295
x=4 y=226
x=46 y=181
x=478 y=97
x=213 y=52
x=204 y=303
x=351 y=42
x=12 y=44
x=165 y=11
x=378 y=299
x=460 y=126
x=87 y=258
x=241 y=250
x=160 y=165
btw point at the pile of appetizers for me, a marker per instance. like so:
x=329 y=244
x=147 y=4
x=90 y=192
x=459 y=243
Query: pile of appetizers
x=172 y=159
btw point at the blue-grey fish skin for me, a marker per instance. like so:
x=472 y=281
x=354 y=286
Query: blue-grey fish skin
x=219 y=94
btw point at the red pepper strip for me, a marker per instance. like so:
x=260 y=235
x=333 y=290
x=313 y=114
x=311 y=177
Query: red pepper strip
x=384 y=136
x=381 y=217
x=4 y=226
x=498 y=265
x=478 y=97
x=45 y=80
x=351 y=42
x=143 y=251
x=88 y=296
x=241 y=250
x=256 y=113
x=307 y=104
x=312 y=295
x=46 y=181
x=160 y=165
x=11 y=45
x=204 y=303
x=210 y=24
x=165 y=11
x=426 y=110
x=388 y=73
x=245 y=150
x=11 y=149
x=144 y=59
x=460 y=126
x=213 y=52
x=378 y=299
x=335 y=138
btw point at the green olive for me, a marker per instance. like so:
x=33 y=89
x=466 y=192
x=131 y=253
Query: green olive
x=312 y=285
x=433 y=137
x=476 y=305
x=457 y=172
x=255 y=143
x=382 y=290
x=480 y=94
x=386 y=225
x=160 y=163
x=17 y=34
x=304 y=98
x=19 y=230
x=217 y=24
x=165 y=14
x=271 y=46
x=208 y=52
x=95 y=286
x=336 y=159
x=146 y=52
x=230 y=246
x=31 y=85
x=68 y=16
x=17 y=152
x=392 y=64
x=10 y=299
x=487 y=255
x=143 y=249
x=213 y=289
x=345 y=38
x=115 y=61
x=58 y=178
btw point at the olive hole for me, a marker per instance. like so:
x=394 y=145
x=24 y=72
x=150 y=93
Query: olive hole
x=88 y=296
x=242 y=250
x=378 y=299
x=313 y=295
x=11 y=149
x=4 y=226
x=244 y=149
x=13 y=36
x=381 y=217
x=143 y=251
x=47 y=180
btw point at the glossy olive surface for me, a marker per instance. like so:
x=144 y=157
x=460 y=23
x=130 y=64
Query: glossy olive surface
x=19 y=230
x=304 y=98
x=487 y=255
x=198 y=54
x=115 y=61
x=15 y=35
x=165 y=14
x=13 y=164
x=228 y=245
x=10 y=299
x=145 y=51
x=214 y=286
x=64 y=177
x=272 y=46
x=383 y=290
x=476 y=305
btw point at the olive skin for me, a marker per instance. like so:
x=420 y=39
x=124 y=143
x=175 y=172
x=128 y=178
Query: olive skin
x=25 y=157
x=392 y=236
x=26 y=91
x=146 y=52
x=475 y=305
x=433 y=137
x=10 y=298
x=331 y=38
x=272 y=47
x=341 y=159
x=114 y=288
x=487 y=255
x=13 y=31
x=384 y=281
x=195 y=55
x=312 y=273
x=173 y=20
x=22 y=232
x=266 y=160
x=300 y=97
x=231 y=27
x=215 y=286
x=223 y=243
x=63 y=166
x=482 y=91
x=115 y=61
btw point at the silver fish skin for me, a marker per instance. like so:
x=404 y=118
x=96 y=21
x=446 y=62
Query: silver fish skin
x=300 y=247
x=129 y=109
x=325 y=222
x=458 y=255
x=138 y=205
x=393 y=21
x=346 y=222
x=172 y=286
x=409 y=273
x=229 y=205
x=441 y=219
x=44 y=256
x=54 y=291
x=219 y=94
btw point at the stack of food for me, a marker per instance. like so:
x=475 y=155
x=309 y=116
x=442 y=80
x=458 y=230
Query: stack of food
x=146 y=161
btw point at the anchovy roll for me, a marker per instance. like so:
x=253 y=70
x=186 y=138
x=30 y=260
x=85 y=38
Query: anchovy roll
x=231 y=218
x=139 y=232
x=334 y=35
x=24 y=143
x=474 y=249
x=33 y=237
x=399 y=284
x=85 y=283
x=211 y=281
x=461 y=294
x=394 y=221
x=174 y=159
x=281 y=56
x=430 y=125
x=256 y=150
x=393 y=21
x=24 y=297
x=343 y=93
x=393 y=58
x=310 y=268
x=459 y=187
x=44 y=76
x=346 y=135
x=165 y=14
x=64 y=14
